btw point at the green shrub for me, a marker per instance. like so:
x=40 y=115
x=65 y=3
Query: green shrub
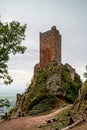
x=44 y=105
x=67 y=84
x=12 y=110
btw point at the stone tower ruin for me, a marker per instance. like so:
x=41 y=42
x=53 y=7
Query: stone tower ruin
x=50 y=47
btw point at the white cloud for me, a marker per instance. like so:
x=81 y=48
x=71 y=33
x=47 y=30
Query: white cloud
x=21 y=76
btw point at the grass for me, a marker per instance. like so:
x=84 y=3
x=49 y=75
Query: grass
x=63 y=120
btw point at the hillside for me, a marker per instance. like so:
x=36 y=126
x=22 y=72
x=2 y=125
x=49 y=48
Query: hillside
x=51 y=87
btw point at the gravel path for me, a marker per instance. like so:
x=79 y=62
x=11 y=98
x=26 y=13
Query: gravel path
x=27 y=123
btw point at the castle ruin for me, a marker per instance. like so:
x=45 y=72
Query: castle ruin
x=50 y=47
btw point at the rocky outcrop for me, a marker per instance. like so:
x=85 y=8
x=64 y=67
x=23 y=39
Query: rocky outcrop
x=53 y=83
x=48 y=85
x=80 y=104
x=72 y=71
x=19 y=102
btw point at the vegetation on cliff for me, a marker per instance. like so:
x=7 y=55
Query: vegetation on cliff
x=4 y=102
x=80 y=104
x=70 y=86
x=51 y=86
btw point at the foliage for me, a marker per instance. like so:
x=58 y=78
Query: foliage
x=42 y=76
x=4 y=102
x=12 y=110
x=44 y=105
x=64 y=118
x=46 y=72
x=71 y=87
x=80 y=104
x=11 y=36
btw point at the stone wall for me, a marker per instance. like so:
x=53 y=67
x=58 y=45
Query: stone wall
x=50 y=47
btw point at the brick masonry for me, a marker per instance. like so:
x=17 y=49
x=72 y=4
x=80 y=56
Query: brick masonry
x=50 y=47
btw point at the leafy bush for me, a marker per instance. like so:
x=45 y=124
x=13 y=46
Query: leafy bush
x=45 y=104
x=12 y=110
x=71 y=87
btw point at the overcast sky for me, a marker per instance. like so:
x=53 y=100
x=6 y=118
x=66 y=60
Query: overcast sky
x=70 y=18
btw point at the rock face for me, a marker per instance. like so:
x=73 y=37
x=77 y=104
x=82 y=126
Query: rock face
x=19 y=102
x=53 y=83
x=80 y=105
x=72 y=71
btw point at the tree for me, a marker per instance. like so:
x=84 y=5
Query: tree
x=85 y=73
x=11 y=36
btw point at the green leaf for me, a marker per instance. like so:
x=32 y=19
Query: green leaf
x=11 y=36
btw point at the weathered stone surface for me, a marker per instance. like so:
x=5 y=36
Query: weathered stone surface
x=54 y=85
x=72 y=71
x=36 y=69
x=80 y=105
